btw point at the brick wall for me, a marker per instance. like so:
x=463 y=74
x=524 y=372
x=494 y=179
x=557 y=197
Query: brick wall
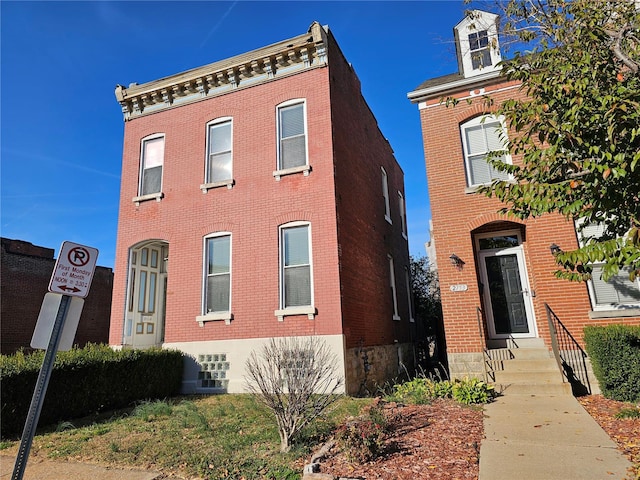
x=458 y=215
x=25 y=273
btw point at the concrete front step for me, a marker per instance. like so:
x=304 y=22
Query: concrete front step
x=534 y=377
x=524 y=365
x=533 y=389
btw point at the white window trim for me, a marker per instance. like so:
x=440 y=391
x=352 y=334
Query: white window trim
x=308 y=310
x=385 y=194
x=392 y=282
x=215 y=316
x=474 y=122
x=409 y=296
x=606 y=310
x=205 y=187
x=403 y=215
x=157 y=196
x=306 y=168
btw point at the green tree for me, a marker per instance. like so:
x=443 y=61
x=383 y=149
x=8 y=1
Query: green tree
x=426 y=290
x=578 y=130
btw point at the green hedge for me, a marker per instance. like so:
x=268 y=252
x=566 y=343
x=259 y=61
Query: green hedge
x=615 y=356
x=85 y=381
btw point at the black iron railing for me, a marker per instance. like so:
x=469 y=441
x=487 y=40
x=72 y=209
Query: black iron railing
x=571 y=358
x=489 y=374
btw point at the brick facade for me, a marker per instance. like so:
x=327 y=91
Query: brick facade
x=460 y=215
x=25 y=273
x=341 y=198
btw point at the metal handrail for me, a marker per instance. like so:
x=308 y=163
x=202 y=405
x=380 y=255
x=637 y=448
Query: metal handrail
x=485 y=350
x=569 y=354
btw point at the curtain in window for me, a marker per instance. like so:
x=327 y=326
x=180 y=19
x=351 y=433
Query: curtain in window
x=297 y=267
x=292 y=137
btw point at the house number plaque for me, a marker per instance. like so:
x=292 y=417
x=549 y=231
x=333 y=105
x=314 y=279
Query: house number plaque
x=459 y=288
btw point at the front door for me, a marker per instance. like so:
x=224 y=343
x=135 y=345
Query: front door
x=144 y=319
x=505 y=286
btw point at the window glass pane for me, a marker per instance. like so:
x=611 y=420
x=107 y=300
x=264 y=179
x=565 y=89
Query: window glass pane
x=152 y=292
x=220 y=138
x=293 y=152
x=154 y=258
x=292 y=121
x=144 y=257
x=151 y=180
x=297 y=290
x=296 y=245
x=132 y=283
x=153 y=152
x=503 y=241
x=142 y=290
x=218 y=293
x=619 y=290
x=479 y=170
x=475 y=140
x=219 y=251
x=219 y=167
x=492 y=131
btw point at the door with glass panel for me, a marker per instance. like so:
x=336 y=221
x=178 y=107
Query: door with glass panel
x=144 y=320
x=504 y=285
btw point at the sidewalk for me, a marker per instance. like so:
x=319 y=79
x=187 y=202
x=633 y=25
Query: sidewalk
x=38 y=469
x=546 y=437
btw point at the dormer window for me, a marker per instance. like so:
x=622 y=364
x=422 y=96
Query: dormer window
x=479 y=49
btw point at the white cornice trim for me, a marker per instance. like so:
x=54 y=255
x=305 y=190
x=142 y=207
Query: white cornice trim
x=424 y=93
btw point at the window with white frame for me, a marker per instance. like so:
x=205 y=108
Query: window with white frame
x=403 y=214
x=296 y=289
x=217 y=290
x=392 y=284
x=479 y=47
x=407 y=279
x=292 y=135
x=219 y=152
x=385 y=195
x=480 y=136
x=619 y=292
x=151 y=162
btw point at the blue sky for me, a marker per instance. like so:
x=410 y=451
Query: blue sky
x=62 y=129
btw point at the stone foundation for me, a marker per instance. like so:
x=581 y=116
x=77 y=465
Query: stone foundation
x=466 y=365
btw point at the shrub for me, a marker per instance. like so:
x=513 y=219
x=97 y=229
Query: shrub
x=85 y=381
x=362 y=438
x=296 y=379
x=615 y=356
x=472 y=391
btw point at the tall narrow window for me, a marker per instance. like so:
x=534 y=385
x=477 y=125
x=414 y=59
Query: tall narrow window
x=479 y=46
x=479 y=138
x=403 y=214
x=219 y=152
x=151 y=165
x=385 y=195
x=292 y=137
x=392 y=284
x=218 y=274
x=407 y=278
x=295 y=259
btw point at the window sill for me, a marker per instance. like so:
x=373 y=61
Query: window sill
x=404 y=235
x=226 y=183
x=215 y=317
x=620 y=312
x=388 y=219
x=309 y=311
x=305 y=169
x=412 y=320
x=397 y=318
x=145 y=198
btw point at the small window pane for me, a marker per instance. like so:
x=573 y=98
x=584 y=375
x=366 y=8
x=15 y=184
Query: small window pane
x=475 y=140
x=293 y=152
x=144 y=257
x=218 y=293
x=296 y=246
x=219 y=167
x=151 y=305
x=220 y=138
x=297 y=281
x=142 y=290
x=154 y=258
x=292 y=120
x=153 y=152
x=219 y=254
x=151 y=180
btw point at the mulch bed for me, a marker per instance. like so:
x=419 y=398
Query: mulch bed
x=437 y=441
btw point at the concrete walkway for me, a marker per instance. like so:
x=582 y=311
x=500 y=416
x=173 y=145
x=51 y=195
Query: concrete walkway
x=546 y=437
x=38 y=469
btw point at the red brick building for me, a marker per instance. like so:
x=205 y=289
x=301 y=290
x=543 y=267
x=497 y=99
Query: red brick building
x=259 y=199
x=25 y=272
x=496 y=272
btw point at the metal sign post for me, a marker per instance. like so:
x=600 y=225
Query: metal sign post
x=40 y=390
x=72 y=275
